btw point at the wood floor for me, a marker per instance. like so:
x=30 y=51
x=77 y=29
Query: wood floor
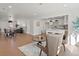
x=9 y=46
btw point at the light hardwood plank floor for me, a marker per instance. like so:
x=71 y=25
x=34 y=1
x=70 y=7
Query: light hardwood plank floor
x=9 y=46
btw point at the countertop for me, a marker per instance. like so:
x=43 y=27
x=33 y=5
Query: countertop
x=55 y=31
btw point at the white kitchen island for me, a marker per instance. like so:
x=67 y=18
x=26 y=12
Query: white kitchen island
x=55 y=31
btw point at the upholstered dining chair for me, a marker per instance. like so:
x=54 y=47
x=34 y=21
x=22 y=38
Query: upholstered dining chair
x=54 y=43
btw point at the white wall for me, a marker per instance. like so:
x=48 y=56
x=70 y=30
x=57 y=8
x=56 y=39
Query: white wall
x=28 y=26
x=3 y=25
x=37 y=29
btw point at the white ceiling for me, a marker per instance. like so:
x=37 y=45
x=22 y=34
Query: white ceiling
x=35 y=10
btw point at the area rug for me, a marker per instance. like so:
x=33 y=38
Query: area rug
x=31 y=50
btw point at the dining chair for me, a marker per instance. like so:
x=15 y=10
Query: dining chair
x=12 y=33
x=54 y=43
x=0 y=32
x=43 y=47
x=40 y=38
x=5 y=33
x=41 y=42
x=65 y=39
x=9 y=33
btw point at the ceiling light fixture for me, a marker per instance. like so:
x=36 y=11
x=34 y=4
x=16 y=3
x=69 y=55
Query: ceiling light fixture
x=10 y=6
x=65 y=5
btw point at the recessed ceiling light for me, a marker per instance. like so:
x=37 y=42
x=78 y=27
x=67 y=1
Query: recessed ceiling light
x=10 y=6
x=65 y=5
